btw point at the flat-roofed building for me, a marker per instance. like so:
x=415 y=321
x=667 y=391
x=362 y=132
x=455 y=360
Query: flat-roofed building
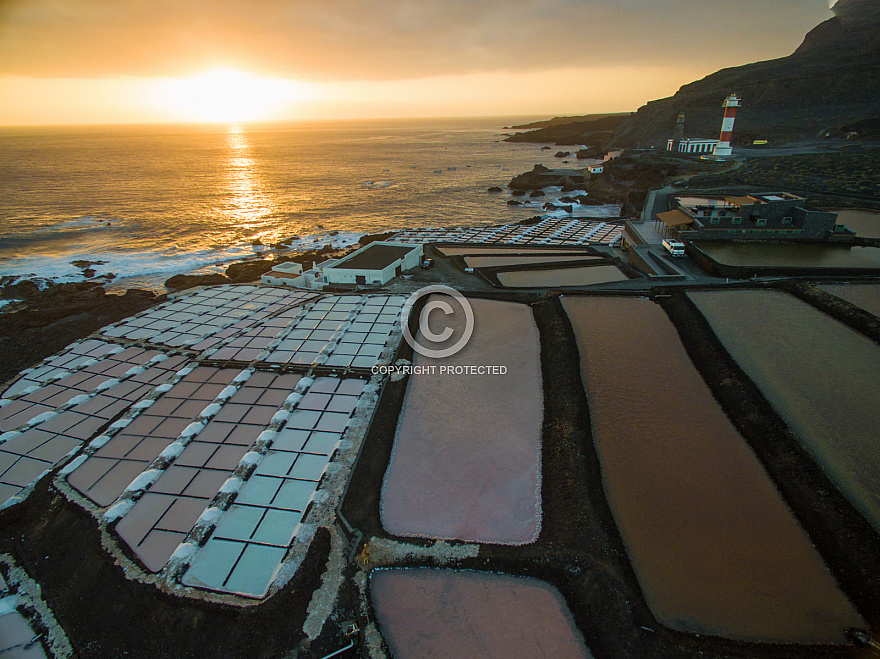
x=764 y=216
x=693 y=145
x=373 y=265
x=284 y=274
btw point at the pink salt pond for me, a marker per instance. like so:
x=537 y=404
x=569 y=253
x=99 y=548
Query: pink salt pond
x=466 y=459
x=444 y=613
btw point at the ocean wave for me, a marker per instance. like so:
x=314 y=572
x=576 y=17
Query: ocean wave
x=155 y=265
x=377 y=185
x=86 y=222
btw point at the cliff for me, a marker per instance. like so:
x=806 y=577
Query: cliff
x=830 y=81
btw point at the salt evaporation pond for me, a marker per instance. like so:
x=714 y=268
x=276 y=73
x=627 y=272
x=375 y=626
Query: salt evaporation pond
x=821 y=376
x=444 y=613
x=599 y=274
x=747 y=255
x=714 y=547
x=447 y=250
x=498 y=261
x=865 y=223
x=864 y=296
x=467 y=454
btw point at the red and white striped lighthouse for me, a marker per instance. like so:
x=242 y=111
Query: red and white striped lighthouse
x=730 y=106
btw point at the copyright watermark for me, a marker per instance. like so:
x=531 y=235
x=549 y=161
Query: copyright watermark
x=433 y=369
x=429 y=343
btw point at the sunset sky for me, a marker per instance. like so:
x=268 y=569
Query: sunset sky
x=131 y=61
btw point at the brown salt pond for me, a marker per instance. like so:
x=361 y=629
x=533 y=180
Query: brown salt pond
x=444 y=613
x=467 y=454
x=791 y=256
x=599 y=274
x=498 y=261
x=714 y=548
x=865 y=223
x=865 y=296
x=821 y=376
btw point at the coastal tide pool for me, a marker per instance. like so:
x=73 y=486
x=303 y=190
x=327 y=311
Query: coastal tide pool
x=466 y=462
x=822 y=377
x=713 y=546
x=445 y=613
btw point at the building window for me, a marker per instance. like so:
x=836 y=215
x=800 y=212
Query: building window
x=715 y=220
x=762 y=222
x=786 y=220
x=737 y=220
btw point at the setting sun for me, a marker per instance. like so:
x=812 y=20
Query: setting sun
x=228 y=95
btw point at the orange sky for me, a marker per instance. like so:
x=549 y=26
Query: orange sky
x=133 y=61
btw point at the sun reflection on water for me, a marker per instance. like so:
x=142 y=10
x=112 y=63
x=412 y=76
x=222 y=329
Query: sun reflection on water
x=249 y=206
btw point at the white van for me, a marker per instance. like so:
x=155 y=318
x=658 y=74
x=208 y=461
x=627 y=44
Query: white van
x=674 y=247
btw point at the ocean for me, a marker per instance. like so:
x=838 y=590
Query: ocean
x=142 y=203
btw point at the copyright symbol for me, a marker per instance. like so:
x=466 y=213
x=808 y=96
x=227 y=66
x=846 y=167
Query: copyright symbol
x=425 y=331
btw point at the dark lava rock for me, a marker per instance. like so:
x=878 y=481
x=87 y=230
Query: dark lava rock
x=574 y=130
x=513 y=202
x=566 y=200
x=554 y=207
x=537 y=193
x=593 y=152
x=183 y=282
x=19 y=290
x=283 y=244
x=545 y=148
x=562 y=154
x=246 y=271
x=50 y=319
x=519 y=193
x=371 y=238
x=533 y=180
x=494 y=188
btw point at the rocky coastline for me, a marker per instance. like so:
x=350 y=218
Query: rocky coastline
x=40 y=318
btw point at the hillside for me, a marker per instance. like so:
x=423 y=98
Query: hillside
x=559 y=121
x=831 y=80
x=562 y=131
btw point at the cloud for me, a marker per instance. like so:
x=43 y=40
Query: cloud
x=387 y=39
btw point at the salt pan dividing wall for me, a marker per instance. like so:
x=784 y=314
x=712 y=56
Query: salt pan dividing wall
x=467 y=454
x=714 y=547
x=820 y=375
x=864 y=296
x=444 y=613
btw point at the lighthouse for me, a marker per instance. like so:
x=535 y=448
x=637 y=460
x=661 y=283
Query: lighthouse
x=730 y=106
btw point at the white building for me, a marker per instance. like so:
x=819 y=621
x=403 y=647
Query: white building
x=374 y=265
x=596 y=169
x=693 y=145
x=283 y=274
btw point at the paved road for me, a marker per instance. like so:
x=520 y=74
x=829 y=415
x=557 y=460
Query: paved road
x=802 y=148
